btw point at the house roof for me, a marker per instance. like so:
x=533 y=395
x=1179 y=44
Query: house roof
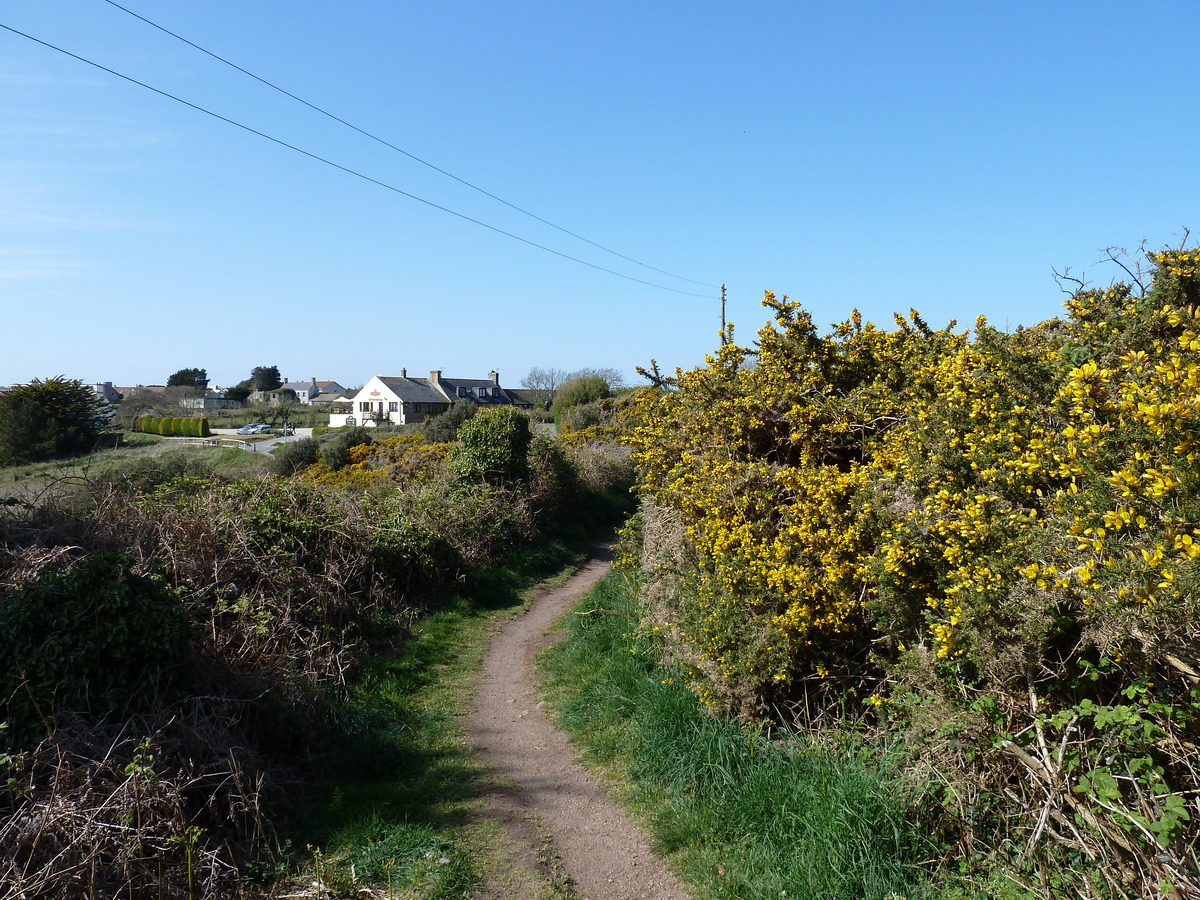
x=329 y=387
x=412 y=390
x=471 y=387
x=531 y=396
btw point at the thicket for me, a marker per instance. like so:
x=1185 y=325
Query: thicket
x=151 y=774
x=984 y=541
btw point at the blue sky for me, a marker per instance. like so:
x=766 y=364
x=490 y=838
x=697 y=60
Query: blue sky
x=937 y=155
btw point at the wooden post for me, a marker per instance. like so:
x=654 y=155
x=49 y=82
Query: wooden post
x=722 y=313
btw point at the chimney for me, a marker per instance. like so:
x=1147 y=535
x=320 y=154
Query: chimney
x=435 y=375
x=495 y=376
x=403 y=373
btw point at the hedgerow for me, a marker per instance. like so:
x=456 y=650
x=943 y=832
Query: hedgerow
x=986 y=540
x=183 y=646
x=185 y=427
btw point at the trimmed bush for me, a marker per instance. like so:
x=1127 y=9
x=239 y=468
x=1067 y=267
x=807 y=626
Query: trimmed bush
x=191 y=426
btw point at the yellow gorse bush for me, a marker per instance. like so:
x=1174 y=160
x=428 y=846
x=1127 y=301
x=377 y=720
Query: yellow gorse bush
x=994 y=521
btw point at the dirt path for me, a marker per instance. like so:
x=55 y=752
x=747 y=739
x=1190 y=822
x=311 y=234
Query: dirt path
x=561 y=829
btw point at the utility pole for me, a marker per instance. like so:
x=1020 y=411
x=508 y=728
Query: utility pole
x=723 y=339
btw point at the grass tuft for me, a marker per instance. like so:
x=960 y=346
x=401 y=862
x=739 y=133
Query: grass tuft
x=742 y=815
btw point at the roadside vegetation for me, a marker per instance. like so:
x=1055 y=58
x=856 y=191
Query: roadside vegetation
x=754 y=813
x=220 y=682
x=904 y=613
x=980 y=546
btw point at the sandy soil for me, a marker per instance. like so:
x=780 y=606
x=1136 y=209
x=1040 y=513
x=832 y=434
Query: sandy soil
x=562 y=831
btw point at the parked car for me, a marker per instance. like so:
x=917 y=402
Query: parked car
x=252 y=428
x=262 y=428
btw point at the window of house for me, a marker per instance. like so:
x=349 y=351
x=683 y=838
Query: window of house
x=364 y=406
x=393 y=406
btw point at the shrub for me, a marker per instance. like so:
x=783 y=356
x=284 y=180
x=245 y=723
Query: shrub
x=553 y=479
x=95 y=637
x=492 y=446
x=294 y=456
x=335 y=450
x=991 y=539
x=578 y=391
x=443 y=428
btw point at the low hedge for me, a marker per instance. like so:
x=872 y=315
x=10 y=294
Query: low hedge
x=183 y=427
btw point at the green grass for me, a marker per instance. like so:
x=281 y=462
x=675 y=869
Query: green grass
x=141 y=455
x=740 y=816
x=402 y=783
x=397 y=810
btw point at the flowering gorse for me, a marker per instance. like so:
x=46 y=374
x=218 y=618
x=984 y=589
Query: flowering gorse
x=958 y=521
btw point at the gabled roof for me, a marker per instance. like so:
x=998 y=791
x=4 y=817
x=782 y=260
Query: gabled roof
x=412 y=390
x=530 y=396
x=472 y=386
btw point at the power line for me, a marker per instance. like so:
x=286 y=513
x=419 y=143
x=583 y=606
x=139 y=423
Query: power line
x=392 y=146
x=348 y=170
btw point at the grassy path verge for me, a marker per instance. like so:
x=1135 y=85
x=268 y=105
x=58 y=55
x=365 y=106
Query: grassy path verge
x=397 y=819
x=742 y=816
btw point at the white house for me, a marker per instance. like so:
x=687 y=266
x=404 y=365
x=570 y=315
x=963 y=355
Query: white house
x=312 y=391
x=400 y=400
x=305 y=391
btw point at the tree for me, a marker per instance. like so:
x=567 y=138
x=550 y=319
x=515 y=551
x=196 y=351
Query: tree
x=143 y=402
x=576 y=391
x=614 y=378
x=265 y=378
x=193 y=378
x=540 y=379
x=50 y=419
x=240 y=391
x=284 y=405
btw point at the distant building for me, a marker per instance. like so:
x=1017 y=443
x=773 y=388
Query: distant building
x=141 y=389
x=305 y=392
x=211 y=400
x=400 y=400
